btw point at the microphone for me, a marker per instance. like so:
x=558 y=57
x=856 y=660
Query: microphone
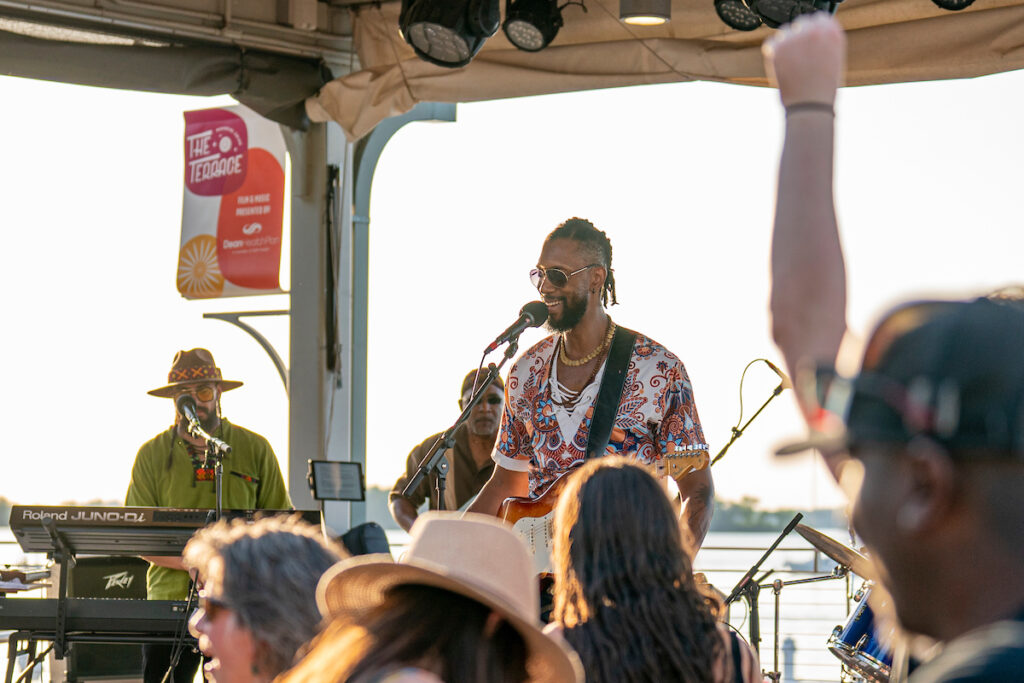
x=186 y=406
x=532 y=314
x=786 y=384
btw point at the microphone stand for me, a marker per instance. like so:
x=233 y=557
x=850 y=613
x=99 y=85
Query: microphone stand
x=434 y=461
x=750 y=589
x=738 y=432
x=216 y=451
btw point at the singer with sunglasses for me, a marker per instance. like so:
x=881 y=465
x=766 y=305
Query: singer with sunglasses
x=171 y=470
x=593 y=388
x=469 y=461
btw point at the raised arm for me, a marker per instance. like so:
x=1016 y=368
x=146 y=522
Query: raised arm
x=808 y=291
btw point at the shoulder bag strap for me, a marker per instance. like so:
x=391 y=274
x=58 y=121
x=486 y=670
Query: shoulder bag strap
x=610 y=391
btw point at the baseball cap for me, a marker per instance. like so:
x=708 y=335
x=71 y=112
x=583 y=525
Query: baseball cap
x=951 y=370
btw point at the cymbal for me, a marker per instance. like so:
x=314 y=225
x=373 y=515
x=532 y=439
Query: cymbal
x=848 y=557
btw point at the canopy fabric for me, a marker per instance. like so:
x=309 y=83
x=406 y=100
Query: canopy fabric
x=273 y=85
x=890 y=41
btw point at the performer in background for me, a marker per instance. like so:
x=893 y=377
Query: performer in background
x=469 y=462
x=170 y=470
x=553 y=386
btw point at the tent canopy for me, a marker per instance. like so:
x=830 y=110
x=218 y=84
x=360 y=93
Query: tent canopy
x=345 y=60
x=889 y=41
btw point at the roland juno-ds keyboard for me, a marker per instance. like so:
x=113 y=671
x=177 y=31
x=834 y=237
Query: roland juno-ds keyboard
x=94 y=615
x=121 y=530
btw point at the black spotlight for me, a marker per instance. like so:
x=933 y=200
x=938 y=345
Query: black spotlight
x=532 y=24
x=448 y=32
x=775 y=13
x=953 y=5
x=736 y=14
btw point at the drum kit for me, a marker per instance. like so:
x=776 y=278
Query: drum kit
x=863 y=644
x=860 y=644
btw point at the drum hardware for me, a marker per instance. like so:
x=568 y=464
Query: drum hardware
x=857 y=645
x=750 y=589
x=848 y=557
x=838 y=572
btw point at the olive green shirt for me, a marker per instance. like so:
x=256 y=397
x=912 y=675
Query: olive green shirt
x=163 y=476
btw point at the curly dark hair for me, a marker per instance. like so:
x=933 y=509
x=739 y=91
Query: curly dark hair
x=624 y=588
x=597 y=243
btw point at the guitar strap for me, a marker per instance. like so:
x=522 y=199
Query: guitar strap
x=610 y=391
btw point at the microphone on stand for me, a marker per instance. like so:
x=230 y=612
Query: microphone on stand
x=786 y=384
x=533 y=314
x=186 y=406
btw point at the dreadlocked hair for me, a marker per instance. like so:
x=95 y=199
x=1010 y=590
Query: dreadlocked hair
x=596 y=241
x=624 y=589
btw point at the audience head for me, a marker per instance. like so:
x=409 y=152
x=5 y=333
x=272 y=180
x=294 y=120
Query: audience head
x=622 y=567
x=462 y=604
x=935 y=423
x=258 y=603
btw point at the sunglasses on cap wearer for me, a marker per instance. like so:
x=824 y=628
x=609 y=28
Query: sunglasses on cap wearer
x=556 y=276
x=203 y=392
x=922 y=404
x=213 y=606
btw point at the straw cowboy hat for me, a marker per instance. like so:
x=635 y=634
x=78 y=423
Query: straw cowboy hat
x=476 y=556
x=192 y=367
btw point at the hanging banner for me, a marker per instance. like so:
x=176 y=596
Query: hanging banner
x=233 y=208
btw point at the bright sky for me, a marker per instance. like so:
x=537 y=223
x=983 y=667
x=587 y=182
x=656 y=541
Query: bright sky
x=681 y=177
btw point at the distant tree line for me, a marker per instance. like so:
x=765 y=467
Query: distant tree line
x=744 y=515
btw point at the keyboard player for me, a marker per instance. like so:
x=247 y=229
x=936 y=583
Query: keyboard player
x=170 y=470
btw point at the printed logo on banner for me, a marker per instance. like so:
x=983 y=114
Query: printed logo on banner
x=233 y=210
x=216 y=152
x=247 y=257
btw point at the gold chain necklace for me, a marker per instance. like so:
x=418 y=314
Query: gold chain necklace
x=590 y=356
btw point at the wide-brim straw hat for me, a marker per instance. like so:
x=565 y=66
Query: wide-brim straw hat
x=473 y=555
x=192 y=367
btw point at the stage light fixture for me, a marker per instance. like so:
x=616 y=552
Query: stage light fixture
x=775 y=13
x=953 y=5
x=645 y=12
x=737 y=15
x=448 y=32
x=531 y=25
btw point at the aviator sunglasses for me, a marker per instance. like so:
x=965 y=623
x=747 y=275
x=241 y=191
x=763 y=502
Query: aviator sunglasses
x=205 y=392
x=556 y=276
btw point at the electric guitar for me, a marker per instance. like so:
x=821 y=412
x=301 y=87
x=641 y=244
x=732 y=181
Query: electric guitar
x=532 y=517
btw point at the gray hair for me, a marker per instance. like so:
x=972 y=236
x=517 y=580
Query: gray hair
x=271 y=568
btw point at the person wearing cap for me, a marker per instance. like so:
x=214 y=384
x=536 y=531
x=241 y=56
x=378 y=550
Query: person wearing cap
x=171 y=470
x=930 y=432
x=469 y=461
x=461 y=605
x=257 y=607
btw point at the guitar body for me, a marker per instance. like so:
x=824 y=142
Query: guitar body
x=533 y=517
